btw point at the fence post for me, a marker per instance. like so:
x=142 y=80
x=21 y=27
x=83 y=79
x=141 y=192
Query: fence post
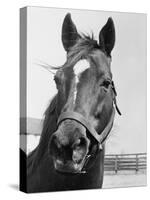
x=136 y=163
x=116 y=164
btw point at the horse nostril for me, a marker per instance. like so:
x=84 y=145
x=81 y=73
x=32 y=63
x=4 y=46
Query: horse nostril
x=79 y=150
x=59 y=148
x=54 y=146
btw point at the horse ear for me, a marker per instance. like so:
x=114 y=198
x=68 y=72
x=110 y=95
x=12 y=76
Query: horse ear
x=107 y=36
x=69 y=33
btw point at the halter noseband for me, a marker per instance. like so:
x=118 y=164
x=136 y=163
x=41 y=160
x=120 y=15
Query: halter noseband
x=100 y=138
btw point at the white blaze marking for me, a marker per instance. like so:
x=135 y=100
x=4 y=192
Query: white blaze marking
x=79 y=68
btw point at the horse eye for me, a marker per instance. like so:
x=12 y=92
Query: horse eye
x=106 y=83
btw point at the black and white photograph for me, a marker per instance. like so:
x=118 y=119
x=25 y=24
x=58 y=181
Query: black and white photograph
x=83 y=118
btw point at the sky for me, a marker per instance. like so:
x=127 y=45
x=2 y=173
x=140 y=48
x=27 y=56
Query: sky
x=128 y=67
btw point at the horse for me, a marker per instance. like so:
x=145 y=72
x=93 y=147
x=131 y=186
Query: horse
x=78 y=120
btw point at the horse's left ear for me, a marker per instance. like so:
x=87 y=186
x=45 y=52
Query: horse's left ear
x=69 y=33
x=107 y=37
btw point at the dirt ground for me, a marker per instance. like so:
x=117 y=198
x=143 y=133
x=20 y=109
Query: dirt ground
x=124 y=180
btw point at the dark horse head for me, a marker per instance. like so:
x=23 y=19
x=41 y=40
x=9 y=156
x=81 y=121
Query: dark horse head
x=85 y=100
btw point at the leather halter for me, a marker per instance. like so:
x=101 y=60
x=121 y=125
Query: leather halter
x=100 y=138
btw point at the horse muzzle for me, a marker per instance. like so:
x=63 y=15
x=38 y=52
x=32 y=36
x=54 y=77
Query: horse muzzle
x=68 y=147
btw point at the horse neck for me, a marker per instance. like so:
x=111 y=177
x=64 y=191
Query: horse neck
x=49 y=127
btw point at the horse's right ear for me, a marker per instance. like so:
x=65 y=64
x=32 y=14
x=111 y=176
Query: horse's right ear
x=69 y=33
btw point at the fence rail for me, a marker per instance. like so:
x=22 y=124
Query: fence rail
x=130 y=162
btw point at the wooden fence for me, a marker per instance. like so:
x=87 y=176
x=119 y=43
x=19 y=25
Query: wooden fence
x=125 y=162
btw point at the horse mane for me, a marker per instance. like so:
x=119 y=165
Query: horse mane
x=82 y=49
x=49 y=126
